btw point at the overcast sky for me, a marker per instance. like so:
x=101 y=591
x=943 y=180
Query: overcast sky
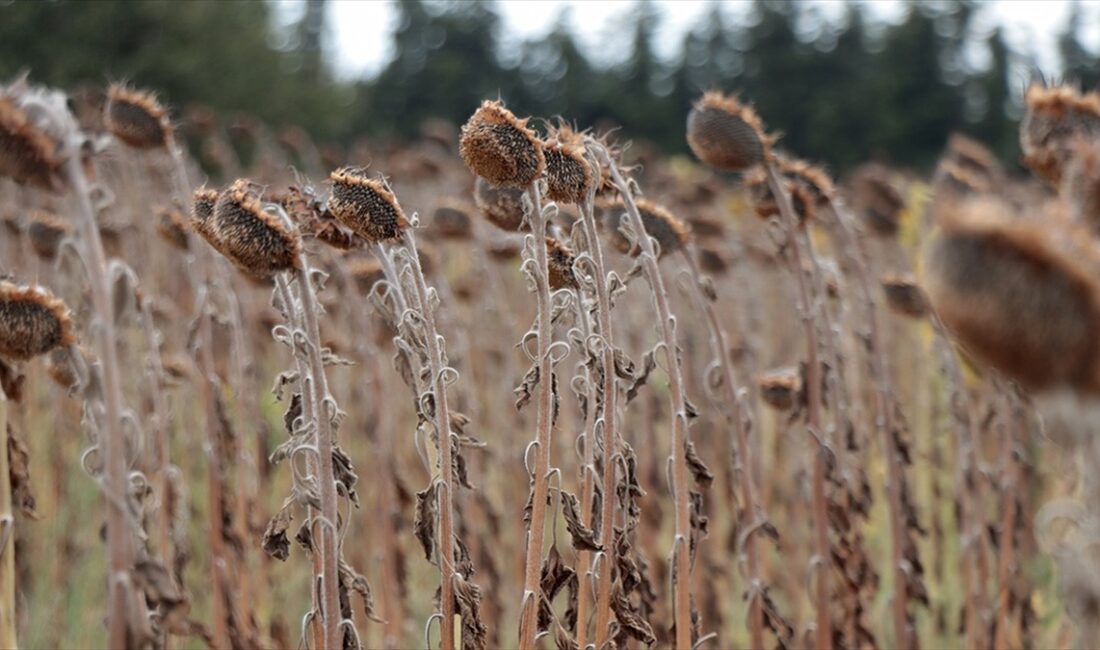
x=359 y=30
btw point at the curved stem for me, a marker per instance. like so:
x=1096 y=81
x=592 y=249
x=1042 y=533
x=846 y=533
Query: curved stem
x=119 y=544
x=610 y=433
x=682 y=540
x=823 y=632
x=532 y=590
x=324 y=438
x=446 y=467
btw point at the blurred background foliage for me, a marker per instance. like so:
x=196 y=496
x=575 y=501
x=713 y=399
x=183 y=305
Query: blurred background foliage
x=841 y=92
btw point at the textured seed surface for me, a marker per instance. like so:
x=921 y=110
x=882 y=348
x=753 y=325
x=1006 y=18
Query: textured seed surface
x=26 y=154
x=365 y=206
x=258 y=242
x=568 y=176
x=32 y=322
x=500 y=148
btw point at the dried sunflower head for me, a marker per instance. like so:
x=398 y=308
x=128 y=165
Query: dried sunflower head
x=502 y=206
x=568 y=175
x=259 y=242
x=726 y=134
x=136 y=118
x=1055 y=117
x=32 y=322
x=28 y=154
x=365 y=205
x=498 y=147
x=1019 y=295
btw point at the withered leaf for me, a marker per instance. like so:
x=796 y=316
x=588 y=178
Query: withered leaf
x=304 y=536
x=19 y=475
x=275 y=542
x=527 y=387
x=554 y=577
x=633 y=623
x=703 y=476
x=468 y=600
x=649 y=364
x=584 y=539
x=344 y=473
x=349 y=579
x=293 y=412
x=427 y=507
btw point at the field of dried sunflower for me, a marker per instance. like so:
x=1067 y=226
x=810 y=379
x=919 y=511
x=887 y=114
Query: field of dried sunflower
x=521 y=384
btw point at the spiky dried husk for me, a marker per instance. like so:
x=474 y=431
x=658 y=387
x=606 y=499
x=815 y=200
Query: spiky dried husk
x=502 y=206
x=498 y=147
x=172 y=227
x=878 y=201
x=32 y=322
x=671 y=232
x=451 y=220
x=314 y=220
x=780 y=388
x=904 y=296
x=1017 y=296
x=136 y=118
x=559 y=261
x=45 y=232
x=27 y=153
x=725 y=133
x=1082 y=183
x=365 y=205
x=568 y=174
x=1054 y=118
x=258 y=242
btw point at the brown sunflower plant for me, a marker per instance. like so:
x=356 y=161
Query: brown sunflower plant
x=260 y=240
x=504 y=152
x=41 y=145
x=370 y=209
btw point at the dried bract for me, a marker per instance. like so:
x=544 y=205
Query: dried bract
x=32 y=322
x=498 y=147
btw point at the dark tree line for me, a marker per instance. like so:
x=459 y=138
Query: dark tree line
x=842 y=91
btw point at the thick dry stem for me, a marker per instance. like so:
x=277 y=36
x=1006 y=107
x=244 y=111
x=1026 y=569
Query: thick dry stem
x=7 y=539
x=823 y=632
x=308 y=413
x=681 y=541
x=607 y=417
x=329 y=520
x=446 y=467
x=112 y=443
x=532 y=591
